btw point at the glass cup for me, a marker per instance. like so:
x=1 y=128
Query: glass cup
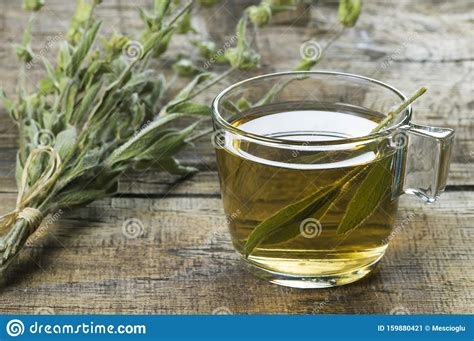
x=310 y=183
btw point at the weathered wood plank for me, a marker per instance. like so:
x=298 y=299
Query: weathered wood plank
x=185 y=257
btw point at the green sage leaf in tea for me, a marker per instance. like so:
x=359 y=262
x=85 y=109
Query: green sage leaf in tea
x=368 y=196
x=315 y=204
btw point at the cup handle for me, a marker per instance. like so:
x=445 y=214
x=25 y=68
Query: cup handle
x=426 y=161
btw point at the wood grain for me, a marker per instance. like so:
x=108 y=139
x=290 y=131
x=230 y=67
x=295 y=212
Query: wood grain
x=183 y=262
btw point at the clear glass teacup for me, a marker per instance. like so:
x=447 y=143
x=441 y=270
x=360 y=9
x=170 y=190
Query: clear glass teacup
x=310 y=186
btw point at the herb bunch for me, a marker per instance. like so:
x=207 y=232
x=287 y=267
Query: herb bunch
x=85 y=123
x=102 y=110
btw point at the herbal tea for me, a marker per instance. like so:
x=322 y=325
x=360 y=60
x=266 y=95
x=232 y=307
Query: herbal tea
x=306 y=213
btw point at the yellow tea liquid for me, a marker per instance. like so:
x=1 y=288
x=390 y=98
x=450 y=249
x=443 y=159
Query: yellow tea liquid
x=258 y=180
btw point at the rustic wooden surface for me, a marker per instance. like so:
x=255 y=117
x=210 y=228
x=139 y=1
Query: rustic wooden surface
x=183 y=262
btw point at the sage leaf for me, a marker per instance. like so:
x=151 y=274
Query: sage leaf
x=169 y=144
x=78 y=197
x=141 y=141
x=349 y=11
x=190 y=108
x=315 y=205
x=186 y=68
x=50 y=71
x=243 y=104
x=64 y=56
x=161 y=7
x=65 y=142
x=46 y=86
x=18 y=169
x=173 y=166
x=82 y=50
x=86 y=103
x=23 y=51
x=70 y=98
x=158 y=42
x=185 y=93
x=292 y=228
x=33 y=5
x=368 y=196
x=8 y=105
x=207 y=49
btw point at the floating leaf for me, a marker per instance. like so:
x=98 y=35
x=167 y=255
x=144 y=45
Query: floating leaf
x=292 y=228
x=368 y=196
x=314 y=205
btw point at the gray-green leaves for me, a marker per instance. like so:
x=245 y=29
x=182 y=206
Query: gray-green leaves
x=82 y=50
x=65 y=142
x=242 y=56
x=261 y=14
x=23 y=51
x=98 y=112
x=140 y=143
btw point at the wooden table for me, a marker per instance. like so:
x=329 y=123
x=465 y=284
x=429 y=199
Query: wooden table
x=184 y=262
